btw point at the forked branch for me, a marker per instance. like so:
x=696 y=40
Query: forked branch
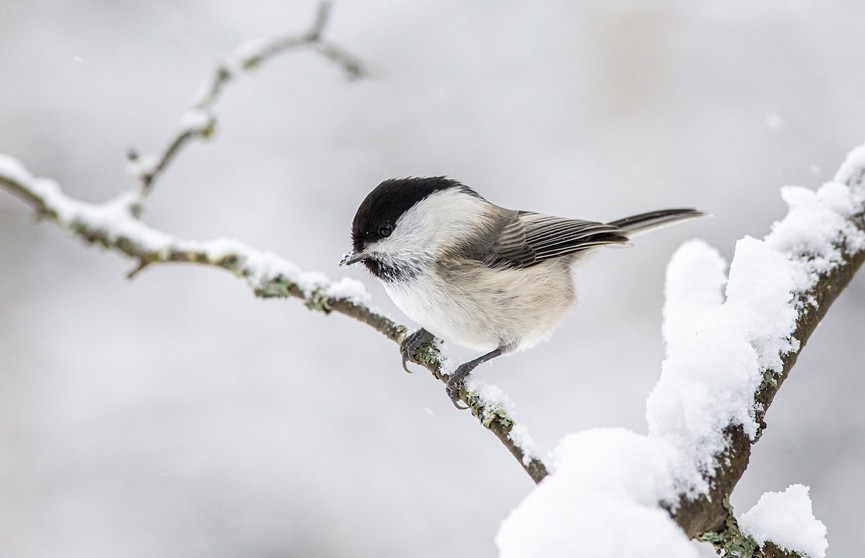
x=199 y=121
x=117 y=224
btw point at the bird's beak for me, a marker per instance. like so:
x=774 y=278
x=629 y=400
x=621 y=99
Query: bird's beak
x=352 y=258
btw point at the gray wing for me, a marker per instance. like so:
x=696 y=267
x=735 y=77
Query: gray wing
x=529 y=238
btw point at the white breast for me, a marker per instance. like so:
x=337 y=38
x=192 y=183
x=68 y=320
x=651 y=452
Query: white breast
x=464 y=301
x=488 y=309
x=431 y=305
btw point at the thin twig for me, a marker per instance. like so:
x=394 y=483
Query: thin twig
x=199 y=122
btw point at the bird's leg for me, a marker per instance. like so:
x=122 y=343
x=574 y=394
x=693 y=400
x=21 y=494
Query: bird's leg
x=411 y=344
x=458 y=377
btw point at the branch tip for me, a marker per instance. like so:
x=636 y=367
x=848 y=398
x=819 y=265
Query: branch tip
x=141 y=266
x=199 y=122
x=321 y=18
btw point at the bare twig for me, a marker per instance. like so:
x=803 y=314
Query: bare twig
x=351 y=65
x=199 y=122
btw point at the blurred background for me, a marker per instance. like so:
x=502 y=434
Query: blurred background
x=177 y=415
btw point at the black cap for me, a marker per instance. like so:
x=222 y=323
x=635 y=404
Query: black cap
x=389 y=200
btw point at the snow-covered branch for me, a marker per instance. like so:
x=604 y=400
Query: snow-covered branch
x=117 y=225
x=728 y=352
x=732 y=339
x=778 y=291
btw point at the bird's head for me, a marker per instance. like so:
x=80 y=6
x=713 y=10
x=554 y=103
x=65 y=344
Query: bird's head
x=402 y=222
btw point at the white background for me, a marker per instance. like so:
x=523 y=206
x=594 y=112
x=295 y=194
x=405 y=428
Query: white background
x=176 y=415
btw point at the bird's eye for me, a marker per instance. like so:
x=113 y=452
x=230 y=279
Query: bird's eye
x=385 y=230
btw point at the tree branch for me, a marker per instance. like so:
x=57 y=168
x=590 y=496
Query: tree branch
x=199 y=121
x=710 y=514
x=116 y=225
x=724 y=357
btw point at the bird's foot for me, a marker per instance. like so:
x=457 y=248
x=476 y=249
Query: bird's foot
x=410 y=345
x=456 y=381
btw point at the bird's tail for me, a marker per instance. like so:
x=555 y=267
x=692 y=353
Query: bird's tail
x=645 y=222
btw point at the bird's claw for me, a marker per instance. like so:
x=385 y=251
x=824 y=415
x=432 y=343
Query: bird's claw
x=453 y=390
x=411 y=344
x=456 y=381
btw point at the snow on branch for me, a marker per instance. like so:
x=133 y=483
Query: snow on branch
x=786 y=520
x=614 y=492
x=617 y=493
x=114 y=225
x=117 y=225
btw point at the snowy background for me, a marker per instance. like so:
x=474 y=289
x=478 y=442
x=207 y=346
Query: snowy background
x=178 y=415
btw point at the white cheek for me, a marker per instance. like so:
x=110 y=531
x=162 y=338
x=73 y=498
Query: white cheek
x=439 y=220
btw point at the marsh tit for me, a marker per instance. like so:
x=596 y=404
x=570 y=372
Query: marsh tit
x=468 y=271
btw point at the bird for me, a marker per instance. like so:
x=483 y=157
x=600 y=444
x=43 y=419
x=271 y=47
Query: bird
x=473 y=273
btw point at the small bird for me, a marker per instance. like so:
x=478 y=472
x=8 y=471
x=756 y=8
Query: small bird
x=468 y=271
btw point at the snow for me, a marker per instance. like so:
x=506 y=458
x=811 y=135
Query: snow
x=247 y=53
x=520 y=436
x=818 y=224
x=717 y=350
x=722 y=335
x=493 y=398
x=264 y=267
x=852 y=168
x=203 y=95
x=114 y=221
x=761 y=295
x=601 y=502
x=14 y=170
x=142 y=165
x=197 y=120
x=113 y=218
x=349 y=289
x=498 y=406
x=786 y=519
x=696 y=277
x=604 y=496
